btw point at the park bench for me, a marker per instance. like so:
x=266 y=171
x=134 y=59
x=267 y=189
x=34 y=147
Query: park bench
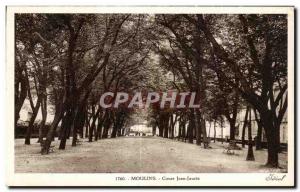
x=206 y=142
x=230 y=149
x=51 y=148
x=78 y=142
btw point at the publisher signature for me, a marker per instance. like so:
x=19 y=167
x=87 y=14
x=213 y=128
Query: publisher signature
x=274 y=177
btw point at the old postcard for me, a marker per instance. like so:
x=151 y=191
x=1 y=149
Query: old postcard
x=150 y=96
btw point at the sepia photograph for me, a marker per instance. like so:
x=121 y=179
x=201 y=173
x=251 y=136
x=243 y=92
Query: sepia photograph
x=150 y=96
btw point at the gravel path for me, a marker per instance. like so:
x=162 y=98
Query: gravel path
x=137 y=155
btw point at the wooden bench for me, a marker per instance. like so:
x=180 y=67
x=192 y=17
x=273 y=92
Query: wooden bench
x=78 y=142
x=206 y=143
x=230 y=149
x=51 y=148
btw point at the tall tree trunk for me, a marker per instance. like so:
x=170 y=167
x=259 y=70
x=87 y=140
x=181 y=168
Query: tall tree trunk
x=114 y=130
x=191 y=127
x=117 y=124
x=209 y=128
x=154 y=128
x=66 y=126
x=161 y=126
x=232 y=129
x=234 y=115
x=244 y=126
x=31 y=122
x=272 y=134
x=51 y=132
x=173 y=121
x=258 y=140
x=20 y=96
x=166 y=125
x=215 y=131
x=79 y=118
x=171 y=133
x=250 y=154
x=222 y=140
x=44 y=118
x=106 y=128
x=106 y=125
x=87 y=125
x=99 y=129
x=82 y=124
x=184 y=130
x=198 y=126
x=182 y=123
x=70 y=88
x=121 y=125
x=180 y=127
x=203 y=128
x=93 y=126
x=75 y=128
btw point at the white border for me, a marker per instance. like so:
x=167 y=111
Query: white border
x=104 y=179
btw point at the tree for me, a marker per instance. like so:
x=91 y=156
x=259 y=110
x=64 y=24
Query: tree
x=250 y=154
x=264 y=66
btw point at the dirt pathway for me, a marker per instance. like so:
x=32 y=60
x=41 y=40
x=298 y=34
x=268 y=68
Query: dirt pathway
x=136 y=154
